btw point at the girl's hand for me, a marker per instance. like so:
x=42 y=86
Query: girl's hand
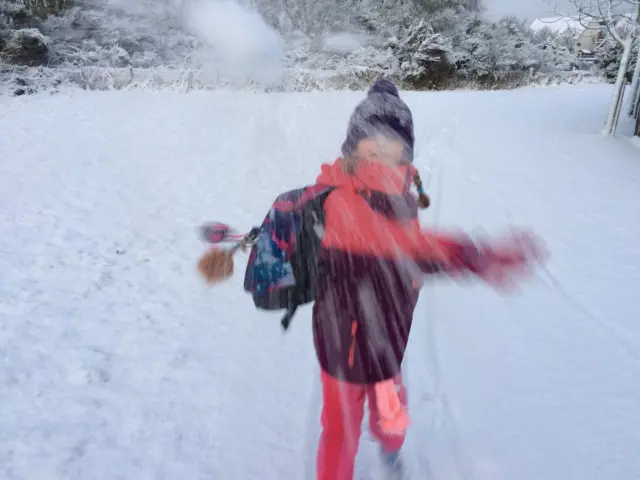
x=510 y=258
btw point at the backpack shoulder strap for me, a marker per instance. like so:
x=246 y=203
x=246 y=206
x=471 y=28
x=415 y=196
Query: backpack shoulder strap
x=315 y=206
x=298 y=199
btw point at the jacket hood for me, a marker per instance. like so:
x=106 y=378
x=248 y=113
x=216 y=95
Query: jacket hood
x=392 y=180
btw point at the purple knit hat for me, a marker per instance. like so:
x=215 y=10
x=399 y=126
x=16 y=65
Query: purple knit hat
x=381 y=113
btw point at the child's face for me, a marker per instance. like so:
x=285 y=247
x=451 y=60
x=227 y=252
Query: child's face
x=380 y=150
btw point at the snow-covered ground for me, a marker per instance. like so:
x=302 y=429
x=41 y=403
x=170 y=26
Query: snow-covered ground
x=116 y=362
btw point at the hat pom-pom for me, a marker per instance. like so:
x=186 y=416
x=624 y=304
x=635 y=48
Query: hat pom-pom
x=384 y=86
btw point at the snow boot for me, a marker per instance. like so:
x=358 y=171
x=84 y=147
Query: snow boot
x=393 y=465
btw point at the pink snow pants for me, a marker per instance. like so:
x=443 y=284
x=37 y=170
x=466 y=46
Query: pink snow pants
x=342 y=414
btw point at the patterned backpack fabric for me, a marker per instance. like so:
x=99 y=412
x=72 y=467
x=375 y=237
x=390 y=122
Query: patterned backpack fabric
x=282 y=268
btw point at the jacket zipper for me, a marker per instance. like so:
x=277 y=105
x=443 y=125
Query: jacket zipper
x=352 y=349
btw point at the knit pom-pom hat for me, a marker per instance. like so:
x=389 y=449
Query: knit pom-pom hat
x=381 y=113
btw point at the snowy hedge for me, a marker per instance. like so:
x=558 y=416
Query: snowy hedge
x=423 y=44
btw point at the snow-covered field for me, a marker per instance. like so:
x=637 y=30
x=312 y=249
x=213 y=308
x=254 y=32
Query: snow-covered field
x=116 y=362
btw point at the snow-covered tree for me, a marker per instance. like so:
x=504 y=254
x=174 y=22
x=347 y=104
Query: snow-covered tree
x=493 y=51
x=623 y=29
x=515 y=49
x=635 y=82
x=423 y=56
x=609 y=55
x=555 y=49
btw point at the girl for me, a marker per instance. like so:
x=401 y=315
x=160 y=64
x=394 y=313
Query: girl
x=372 y=257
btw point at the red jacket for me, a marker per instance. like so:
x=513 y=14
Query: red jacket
x=371 y=262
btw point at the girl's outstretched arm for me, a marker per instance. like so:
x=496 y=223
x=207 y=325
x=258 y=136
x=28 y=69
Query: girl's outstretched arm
x=495 y=262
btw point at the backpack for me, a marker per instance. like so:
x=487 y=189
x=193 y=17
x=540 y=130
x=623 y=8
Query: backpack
x=282 y=268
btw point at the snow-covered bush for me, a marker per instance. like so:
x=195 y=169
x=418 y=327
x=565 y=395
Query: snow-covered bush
x=16 y=15
x=311 y=17
x=555 y=50
x=42 y=8
x=434 y=6
x=609 y=55
x=26 y=46
x=90 y=35
x=423 y=57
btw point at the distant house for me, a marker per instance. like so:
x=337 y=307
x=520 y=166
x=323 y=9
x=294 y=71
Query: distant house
x=587 y=33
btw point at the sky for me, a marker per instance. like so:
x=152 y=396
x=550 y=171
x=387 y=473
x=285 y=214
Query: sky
x=529 y=9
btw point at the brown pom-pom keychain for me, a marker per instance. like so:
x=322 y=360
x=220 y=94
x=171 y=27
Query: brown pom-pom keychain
x=216 y=265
